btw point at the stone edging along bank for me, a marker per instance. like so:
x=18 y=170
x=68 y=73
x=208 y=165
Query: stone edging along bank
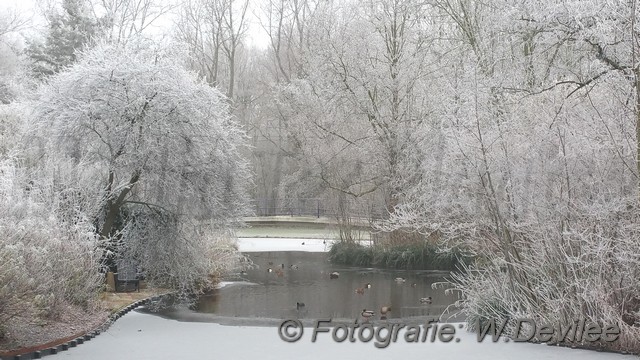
x=55 y=346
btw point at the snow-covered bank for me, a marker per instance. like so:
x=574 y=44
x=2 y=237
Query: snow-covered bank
x=142 y=336
x=222 y=284
x=253 y=244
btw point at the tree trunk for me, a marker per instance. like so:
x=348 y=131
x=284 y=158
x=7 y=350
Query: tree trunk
x=112 y=211
x=113 y=207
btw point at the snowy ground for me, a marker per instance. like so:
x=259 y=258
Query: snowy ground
x=278 y=244
x=303 y=231
x=141 y=336
x=254 y=244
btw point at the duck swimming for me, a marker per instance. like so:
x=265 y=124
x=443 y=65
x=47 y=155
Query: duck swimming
x=366 y=314
x=426 y=300
x=383 y=312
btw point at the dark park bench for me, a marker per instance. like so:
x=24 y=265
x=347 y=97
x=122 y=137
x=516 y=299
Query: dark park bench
x=127 y=276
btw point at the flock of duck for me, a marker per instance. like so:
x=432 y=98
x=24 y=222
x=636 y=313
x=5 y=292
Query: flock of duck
x=279 y=271
x=366 y=314
x=384 y=310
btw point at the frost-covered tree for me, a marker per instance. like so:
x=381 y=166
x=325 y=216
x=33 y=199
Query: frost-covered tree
x=70 y=30
x=355 y=91
x=214 y=31
x=160 y=149
x=11 y=67
x=123 y=20
x=532 y=165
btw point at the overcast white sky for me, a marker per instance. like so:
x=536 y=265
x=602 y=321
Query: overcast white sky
x=29 y=8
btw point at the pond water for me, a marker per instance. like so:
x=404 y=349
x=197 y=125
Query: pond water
x=303 y=277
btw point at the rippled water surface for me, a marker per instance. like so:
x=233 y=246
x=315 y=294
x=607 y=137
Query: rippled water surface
x=302 y=277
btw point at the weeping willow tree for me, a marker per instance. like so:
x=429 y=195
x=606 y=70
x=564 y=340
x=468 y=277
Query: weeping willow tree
x=162 y=151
